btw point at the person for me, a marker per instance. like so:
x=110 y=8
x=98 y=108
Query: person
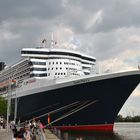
x=41 y=130
x=13 y=127
x=41 y=126
x=17 y=136
x=1 y=122
x=34 y=127
x=27 y=134
x=22 y=131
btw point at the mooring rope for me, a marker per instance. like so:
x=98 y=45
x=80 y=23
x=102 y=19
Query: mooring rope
x=55 y=111
x=84 y=105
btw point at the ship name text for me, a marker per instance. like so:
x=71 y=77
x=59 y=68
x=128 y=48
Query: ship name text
x=81 y=81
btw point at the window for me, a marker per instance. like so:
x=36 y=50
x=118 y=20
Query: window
x=38 y=75
x=56 y=68
x=37 y=69
x=39 y=63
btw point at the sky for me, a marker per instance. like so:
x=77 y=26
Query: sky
x=106 y=29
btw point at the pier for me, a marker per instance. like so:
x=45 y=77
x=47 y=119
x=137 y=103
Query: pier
x=50 y=136
x=4 y=135
x=47 y=135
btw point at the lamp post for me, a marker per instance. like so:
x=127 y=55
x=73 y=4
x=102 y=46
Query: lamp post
x=9 y=96
x=15 y=111
x=8 y=104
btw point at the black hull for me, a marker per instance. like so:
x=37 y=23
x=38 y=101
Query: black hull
x=94 y=103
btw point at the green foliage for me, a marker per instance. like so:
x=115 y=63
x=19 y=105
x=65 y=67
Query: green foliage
x=120 y=118
x=3 y=106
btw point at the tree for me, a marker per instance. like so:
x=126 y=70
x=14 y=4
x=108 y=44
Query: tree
x=119 y=118
x=3 y=106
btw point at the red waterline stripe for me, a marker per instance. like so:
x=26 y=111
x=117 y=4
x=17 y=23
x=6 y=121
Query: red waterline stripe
x=104 y=127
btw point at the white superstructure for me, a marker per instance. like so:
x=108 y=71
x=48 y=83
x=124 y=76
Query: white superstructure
x=57 y=63
x=47 y=64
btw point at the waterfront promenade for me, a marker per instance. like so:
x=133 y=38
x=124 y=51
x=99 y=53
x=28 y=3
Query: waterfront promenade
x=4 y=135
x=33 y=129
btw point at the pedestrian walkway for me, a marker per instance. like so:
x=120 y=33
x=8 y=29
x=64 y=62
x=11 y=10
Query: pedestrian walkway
x=50 y=136
x=33 y=130
x=4 y=135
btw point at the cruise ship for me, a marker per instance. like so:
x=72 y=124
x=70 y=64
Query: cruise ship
x=62 y=88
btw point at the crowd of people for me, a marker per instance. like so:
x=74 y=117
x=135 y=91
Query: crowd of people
x=28 y=131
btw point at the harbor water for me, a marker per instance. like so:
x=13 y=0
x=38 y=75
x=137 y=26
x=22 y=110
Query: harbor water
x=122 y=131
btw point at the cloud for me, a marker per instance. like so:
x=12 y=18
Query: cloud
x=91 y=27
x=32 y=9
x=95 y=20
x=136 y=92
x=131 y=107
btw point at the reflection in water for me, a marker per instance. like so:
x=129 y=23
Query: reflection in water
x=71 y=135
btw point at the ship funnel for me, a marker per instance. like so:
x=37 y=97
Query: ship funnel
x=2 y=66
